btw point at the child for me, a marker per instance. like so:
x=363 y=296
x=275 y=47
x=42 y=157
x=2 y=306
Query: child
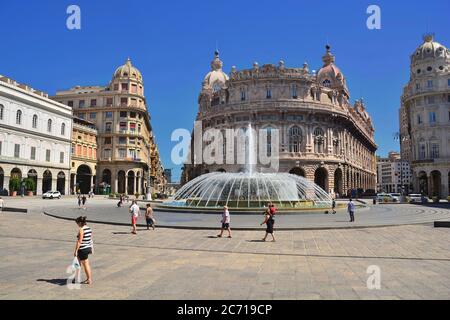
x=225 y=222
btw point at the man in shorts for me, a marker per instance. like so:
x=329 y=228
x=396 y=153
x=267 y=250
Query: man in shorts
x=225 y=222
x=134 y=211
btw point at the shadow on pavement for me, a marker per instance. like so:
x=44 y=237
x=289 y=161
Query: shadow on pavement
x=59 y=282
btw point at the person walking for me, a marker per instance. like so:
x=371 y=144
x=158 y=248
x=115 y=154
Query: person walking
x=269 y=221
x=2 y=203
x=226 y=219
x=272 y=208
x=84 y=247
x=351 y=210
x=83 y=201
x=333 y=206
x=149 y=218
x=79 y=201
x=134 y=210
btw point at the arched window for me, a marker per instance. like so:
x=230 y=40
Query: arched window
x=326 y=83
x=35 y=120
x=63 y=129
x=2 y=108
x=49 y=125
x=269 y=141
x=318 y=140
x=295 y=139
x=19 y=117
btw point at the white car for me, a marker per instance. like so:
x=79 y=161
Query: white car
x=415 y=198
x=395 y=196
x=51 y=195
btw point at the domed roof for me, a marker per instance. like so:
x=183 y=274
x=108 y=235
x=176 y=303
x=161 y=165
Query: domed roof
x=330 y=75
x=216 y=78
x=429 y=49
x=128 y=71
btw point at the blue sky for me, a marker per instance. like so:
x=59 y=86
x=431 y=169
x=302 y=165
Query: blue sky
x=172 y=43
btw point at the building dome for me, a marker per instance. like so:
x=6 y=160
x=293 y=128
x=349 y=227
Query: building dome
x=330 y=75
x=216 y=78
x=429 y=49
x=128 y=71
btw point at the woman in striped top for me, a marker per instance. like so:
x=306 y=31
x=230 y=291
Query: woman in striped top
x=84 y=247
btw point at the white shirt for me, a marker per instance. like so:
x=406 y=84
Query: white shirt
x=226 y=217
x=135 y=210
x=1 y=203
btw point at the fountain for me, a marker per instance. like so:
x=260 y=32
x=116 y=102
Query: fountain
x=249 y=190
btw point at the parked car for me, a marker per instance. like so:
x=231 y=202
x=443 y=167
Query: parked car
x=395 y=196
x=386 y=197
x=415 y=198
x=51 y=195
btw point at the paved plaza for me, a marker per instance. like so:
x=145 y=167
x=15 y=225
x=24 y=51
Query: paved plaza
x=414 y=260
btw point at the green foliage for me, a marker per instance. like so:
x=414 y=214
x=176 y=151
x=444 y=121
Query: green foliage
x=14 y=184
x=30 y=184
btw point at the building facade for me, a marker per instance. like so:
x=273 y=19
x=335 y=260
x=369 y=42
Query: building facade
x=83 y=163
x=322 y=136
x=34 y=139
x=393 y=174
x=128 y=160
x=425 y=119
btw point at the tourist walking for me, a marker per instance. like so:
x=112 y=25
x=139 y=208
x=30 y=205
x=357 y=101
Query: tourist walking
x=269 y=221
x=2 y=203
x=272 y=208
x=226 y=219
x=120 y=203
x=79 y=201
x=149 y=218
x=84 y=247
x=333 y=206
x=134 y=211
x=83 y=201
x=351 y=210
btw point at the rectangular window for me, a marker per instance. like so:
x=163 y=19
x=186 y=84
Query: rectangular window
x=448 y=82
x=93 y=115
x=419 y=119
x=33 y=153
x=70 y=103
x=61 y=157
x=132 y=126
x=269 y=94
x=81 y=104
x=132 y=141
x=294 y=92
x=109 y=102
x=133 y=153
x=17 y=151
x=132 y=114
x=417 y=86
x=107 y=153
x=47 y=155
x=430 y=83
x=116 y=87
x=243 y=95
x=93 y=102
x=108 y=115
x=122 y=153
x=122 y=140
x=432 y=116
x=123 y=126
x=73 y=149
x=133 y=88
x=434 y=151
x=123 y=101
x=107 y=140
x=125 y=86
x=123 y=114
x=108 y=127
x=430 y=99
x=81 y=115
x=448 y=98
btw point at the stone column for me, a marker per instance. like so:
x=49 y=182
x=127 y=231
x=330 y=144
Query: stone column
x=67 y=184
x=74 y=188
x=39 y=186
x=126 y=183
x=54 y=184
x=6 y=183
x=91 y=183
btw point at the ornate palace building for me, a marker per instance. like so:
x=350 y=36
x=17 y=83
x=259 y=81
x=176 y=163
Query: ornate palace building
x=323 y=137
x=128 y=159
x=425 y=119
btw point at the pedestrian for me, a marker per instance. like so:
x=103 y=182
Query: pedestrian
x=149 y=218
x=79 y=201
x=83 y=201
x=351 y=210
x=272 y=208
x=84 y=247
x=119 y=204
x=226 y=219
x=134 y=211
x=269 y=221
x=2 y=203
x=333 y=206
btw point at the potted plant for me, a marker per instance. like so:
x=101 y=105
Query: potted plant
x=30 y=186
x=14 y=186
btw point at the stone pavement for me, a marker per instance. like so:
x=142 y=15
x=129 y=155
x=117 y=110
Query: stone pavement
x=185 y=264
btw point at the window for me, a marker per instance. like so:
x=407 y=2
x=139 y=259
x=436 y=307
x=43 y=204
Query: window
x=93 y=102
x=47 y=155
x=294 y=118
x=122 y=153
x=434 y=151
x=326 y=83
x=318 y=140
x=108 y=115
x=17 y=150
x=81 y=104
x=123 y=126
x=419 y=119
x=243 y=95
x=422 y=151
x=294 y=91
x=268 y=94
x=448 y=82
x=295 y=139
x=63 y=129
x=81 y=115
x=19 y=117
x=123 y=114
x=72 y=150
x=132 y=141
x=107 y=140
x=116 y=87
x=132 y=127
x=49 y=125
x=34 y=122
x=133 y=88
x=107 y=153
x=93 y=115
x=108 y=126
x=109 y=102
x=132 y=114
x=2 y=108
x=432 y=117
x=122 y=140
x=448 y=98
x=125 y=86
x=417 y=86
x=70 y=103
x=430 y=99
x=133 y=153
x=430 y=83
x=269 y=141
x=61 y=157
